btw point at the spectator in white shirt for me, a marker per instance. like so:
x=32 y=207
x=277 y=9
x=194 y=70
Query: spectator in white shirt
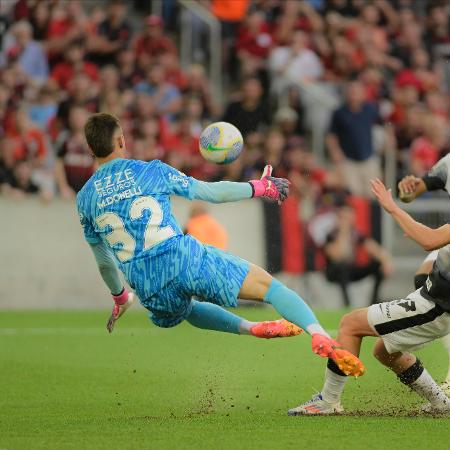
x=30 y=55
x=294 y=64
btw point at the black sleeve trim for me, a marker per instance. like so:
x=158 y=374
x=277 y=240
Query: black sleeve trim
x=120 y=293
x=433 y=183
x=253 y=189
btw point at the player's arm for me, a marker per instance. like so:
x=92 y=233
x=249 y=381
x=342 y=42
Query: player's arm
x=228 y=191
x=428 y=238
x=107 y=267
x=411 y=187
x=177 y=183
x=110 y=275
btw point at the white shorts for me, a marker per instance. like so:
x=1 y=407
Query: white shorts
x=408 y=324
x=431 y=256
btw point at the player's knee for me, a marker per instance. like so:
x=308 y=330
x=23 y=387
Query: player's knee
x=256 y=285
x=348 y=324
x=379 y=353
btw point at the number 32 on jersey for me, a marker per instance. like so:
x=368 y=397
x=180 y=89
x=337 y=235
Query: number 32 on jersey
x=119 y=235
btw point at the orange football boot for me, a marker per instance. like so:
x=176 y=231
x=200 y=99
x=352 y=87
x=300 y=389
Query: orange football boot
x=275 y=329
x=348 y=363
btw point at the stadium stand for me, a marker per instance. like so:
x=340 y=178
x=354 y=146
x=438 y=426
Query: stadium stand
x=286 y=67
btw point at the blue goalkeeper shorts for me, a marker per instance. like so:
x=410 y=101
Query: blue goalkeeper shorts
x=207 y=273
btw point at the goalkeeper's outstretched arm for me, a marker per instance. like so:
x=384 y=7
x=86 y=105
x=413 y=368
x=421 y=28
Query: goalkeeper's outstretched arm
x=228 y=191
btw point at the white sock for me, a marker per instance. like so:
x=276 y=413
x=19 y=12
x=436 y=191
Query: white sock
x=333 y=386
x=426 y=387
x=446 y=342
x=316 y=328
x=245 y=326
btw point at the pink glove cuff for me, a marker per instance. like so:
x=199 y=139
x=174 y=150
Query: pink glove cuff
x=122 y=298
x=259 y=187
x=265 y=188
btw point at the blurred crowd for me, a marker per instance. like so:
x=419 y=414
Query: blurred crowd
x=385 y=62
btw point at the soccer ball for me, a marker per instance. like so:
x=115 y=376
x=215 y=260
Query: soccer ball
x=221 y=143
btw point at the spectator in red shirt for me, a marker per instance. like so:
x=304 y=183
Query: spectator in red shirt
x=75 y=163
x=24 y=142
x=67 y=24
x=254 y=40
x=74 y=64
x=174 y=74
x=152 y=42
x=419 y=76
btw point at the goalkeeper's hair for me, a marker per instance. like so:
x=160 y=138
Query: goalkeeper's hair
x=99 y=131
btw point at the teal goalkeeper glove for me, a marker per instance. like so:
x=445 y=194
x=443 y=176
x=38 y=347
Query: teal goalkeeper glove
x=121 y=303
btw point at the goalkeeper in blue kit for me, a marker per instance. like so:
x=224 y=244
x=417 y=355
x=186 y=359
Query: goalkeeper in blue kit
x=126 y=215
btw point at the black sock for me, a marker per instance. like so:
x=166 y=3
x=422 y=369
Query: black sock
x=411 y=374
x=334 y=368
x=419 y=280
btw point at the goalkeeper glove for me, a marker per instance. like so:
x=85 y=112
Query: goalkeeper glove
x=270 y=187
x=121 y=303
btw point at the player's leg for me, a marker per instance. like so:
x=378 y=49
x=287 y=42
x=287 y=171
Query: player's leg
x=209 y=316
x=411 y=372
x=419 y=280
x=446 y=384
x=353 y=327
x=404 y=324
x=259 y=285
x=210 y=274
x=225 y=278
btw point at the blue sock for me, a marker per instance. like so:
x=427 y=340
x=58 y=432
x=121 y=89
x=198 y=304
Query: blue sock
x=292 y=307
x=213 y=317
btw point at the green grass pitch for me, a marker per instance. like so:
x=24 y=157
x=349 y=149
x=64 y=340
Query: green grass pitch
x=67 y=384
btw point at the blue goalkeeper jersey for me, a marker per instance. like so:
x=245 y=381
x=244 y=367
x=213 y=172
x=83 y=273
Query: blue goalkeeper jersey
x=127 y=204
